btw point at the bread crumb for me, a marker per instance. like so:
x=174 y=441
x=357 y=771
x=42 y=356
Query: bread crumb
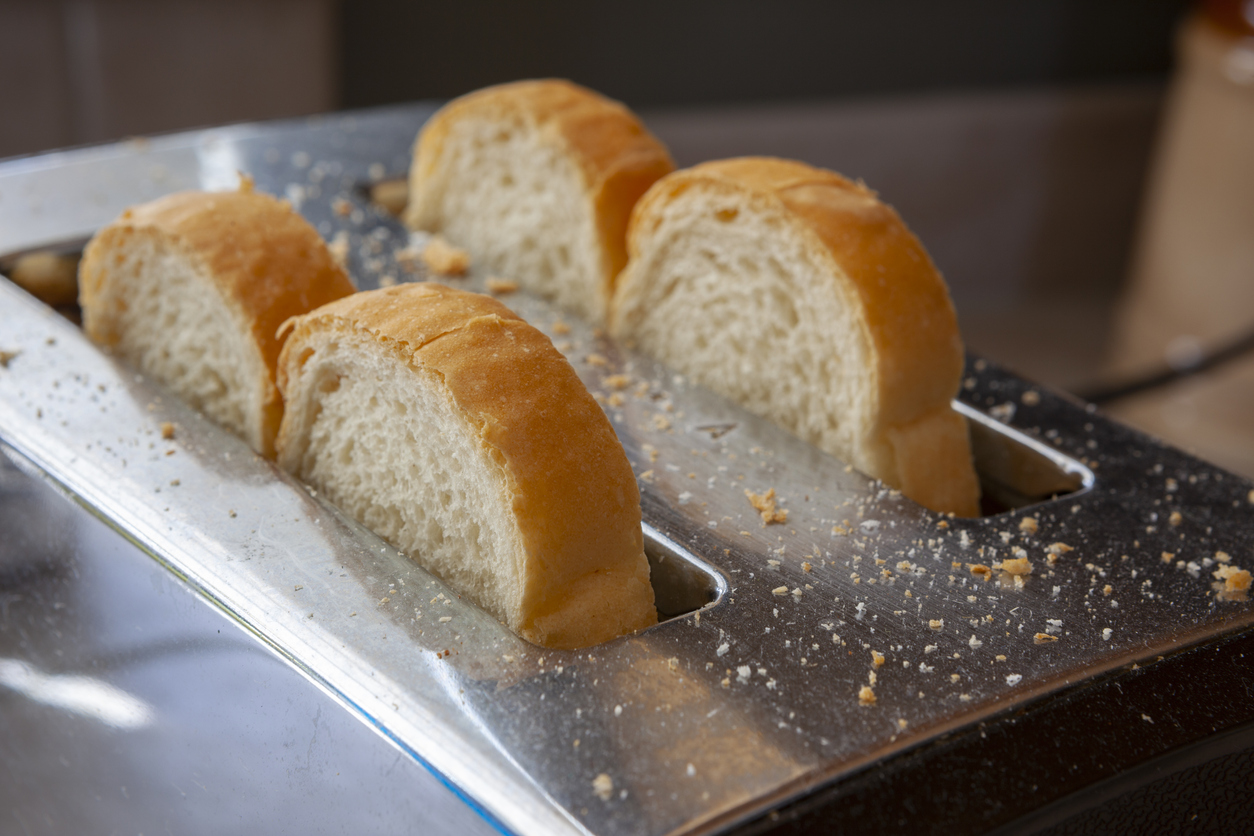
x=1167 y=557
x=780 y=590
x=338 y=247
x=1107 y=589
x=500 y=286
x=1222 y=557
x=341 y=207
x=1029 y=525
x=980 y=571
x=936 y=624
x=387 y=281
x=1058 y=548
x=167 y=430
x=1176 y=518
x=764 y=504
x=616 y=399
x=806 y=567
x=1043 y=638
x=1235 y=580
x=1016 y=566
x=596 y=360
x=7 y=357
x=866 y=695
x=661 y=422
x=603 y=786
x=877 y=658
x=560 y=328
x=391 y=195
x=617 y=381
x=1031 y=397
x=444 y=259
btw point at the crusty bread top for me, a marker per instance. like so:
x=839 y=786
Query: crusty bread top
x=266 y=259
x=574 y=494
x=618 y=156
x=909 y=315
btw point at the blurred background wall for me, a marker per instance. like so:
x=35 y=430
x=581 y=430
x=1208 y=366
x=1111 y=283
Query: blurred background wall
x=78 y=71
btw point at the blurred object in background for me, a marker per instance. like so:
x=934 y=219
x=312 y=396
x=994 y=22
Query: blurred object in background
x=82 y=71
x=1190 y=297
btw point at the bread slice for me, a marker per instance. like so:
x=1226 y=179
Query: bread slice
x=800 y=295
x=193 y=287
x=458 y=433
x=536 y=179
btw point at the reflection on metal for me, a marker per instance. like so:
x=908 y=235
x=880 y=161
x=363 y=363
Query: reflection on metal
x=81 y=695
x=720 y=712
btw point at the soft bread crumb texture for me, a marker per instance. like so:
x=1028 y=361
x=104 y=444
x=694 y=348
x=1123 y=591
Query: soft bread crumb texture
x=537 y=180
x=764 y=504
x=458 y=433
x=192 y=289
x=818 y=310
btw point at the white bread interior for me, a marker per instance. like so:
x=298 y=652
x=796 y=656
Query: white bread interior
x=191 y=289
x=536 y=179
x=801 y=296
x=458 y=433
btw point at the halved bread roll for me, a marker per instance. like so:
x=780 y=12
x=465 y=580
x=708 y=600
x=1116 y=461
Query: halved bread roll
x=458 y=433
x=192 y=288
x=537 y=180
x=800 y=295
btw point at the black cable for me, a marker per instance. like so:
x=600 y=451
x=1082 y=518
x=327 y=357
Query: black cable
x=1233 y=350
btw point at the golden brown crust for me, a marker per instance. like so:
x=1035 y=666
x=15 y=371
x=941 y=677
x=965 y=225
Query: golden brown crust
x=574 y=494
x=909 y=316
x=266 y=259
x=617 y=155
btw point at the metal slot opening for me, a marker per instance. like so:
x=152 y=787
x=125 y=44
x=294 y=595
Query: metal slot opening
x=1016 y=470
x=681 y=582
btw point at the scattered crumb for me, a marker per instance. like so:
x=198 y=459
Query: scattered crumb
x=338 y=247
x=387 y=281
x=937 y=624
x=341 y=207
x=391 y=195
x=500 y=286
x=661 y=422
x=167 y=430
x=1167 y=557
x=877 y=658
x=444 y=259
x=1106 y=634
x=780 y=590
x=1107 y=589
x=603 y=786
x=1043 y=638
x=980 y=571
x=764 y=504
x=1016 y=566
x=1235 y=580
x=1031 y=397
x=1028 y=525
x=1058 y=548
x=617 y=381
x=560 y=328
x=7 y=357
x=616 y=399
x=1222 y=557
x=1175 y=518
x=866 y=695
